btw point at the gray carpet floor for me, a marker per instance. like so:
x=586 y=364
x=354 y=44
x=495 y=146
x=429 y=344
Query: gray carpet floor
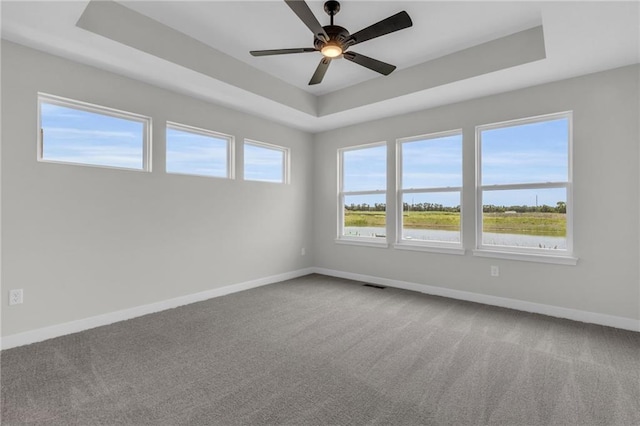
x=320 y=350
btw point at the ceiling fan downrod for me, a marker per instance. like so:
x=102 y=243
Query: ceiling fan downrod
x=332 y=8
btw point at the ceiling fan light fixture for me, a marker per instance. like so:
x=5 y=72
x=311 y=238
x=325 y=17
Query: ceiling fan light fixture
x=331 y=50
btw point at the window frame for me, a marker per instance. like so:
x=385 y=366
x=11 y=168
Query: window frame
x=433 y=246
x=526 y=253
x=286 y=161
x=364 y=241
x=96 y=109
x=230 y=160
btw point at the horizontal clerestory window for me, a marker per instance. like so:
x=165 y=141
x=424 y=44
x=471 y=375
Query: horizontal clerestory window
x=265 y=162
x=75 y=132
x=199 y=152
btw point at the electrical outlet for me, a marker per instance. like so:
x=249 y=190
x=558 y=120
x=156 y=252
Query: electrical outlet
x=302 y=251
x=15 y=296
x=495 y=271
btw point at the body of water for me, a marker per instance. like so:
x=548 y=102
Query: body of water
x=508 y=240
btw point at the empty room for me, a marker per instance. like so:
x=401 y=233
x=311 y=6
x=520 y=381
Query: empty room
x=320 y=212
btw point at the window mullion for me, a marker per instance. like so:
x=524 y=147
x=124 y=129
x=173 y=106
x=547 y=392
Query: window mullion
x=370 y=192
x=426 y=190
x=515 y=186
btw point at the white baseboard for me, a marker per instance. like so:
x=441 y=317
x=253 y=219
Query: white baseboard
x=57 y=330
x=520 y=305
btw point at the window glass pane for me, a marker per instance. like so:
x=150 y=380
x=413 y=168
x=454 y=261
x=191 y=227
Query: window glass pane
x=527 y=153
x=197 y=154
x=365 y=169
x=263 y=163
x=365 y=216
x=533 y=218
x=432 y=163
x=76 y=136
x=433 y=216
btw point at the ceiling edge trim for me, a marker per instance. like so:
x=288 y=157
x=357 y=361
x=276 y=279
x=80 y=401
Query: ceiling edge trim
x=118 y=23
x=506 y=52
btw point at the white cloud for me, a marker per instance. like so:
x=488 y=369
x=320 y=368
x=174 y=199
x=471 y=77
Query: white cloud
x=73 y=133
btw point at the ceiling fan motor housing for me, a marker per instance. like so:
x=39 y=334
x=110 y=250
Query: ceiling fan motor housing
x=336 y=34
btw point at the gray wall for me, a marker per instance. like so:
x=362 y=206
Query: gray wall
x=83 y=241
x=606 y=198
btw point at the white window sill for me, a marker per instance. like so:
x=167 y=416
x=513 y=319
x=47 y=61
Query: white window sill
x=198 y=175
x=98 y=166
x=527 y=257
x=431 y=249
x=365 y=242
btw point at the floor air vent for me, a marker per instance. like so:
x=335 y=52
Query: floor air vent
x=374 y=286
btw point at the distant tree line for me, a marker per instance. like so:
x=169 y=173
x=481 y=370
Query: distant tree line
x=561 y=207
x=364 y=207
x=429 y=207
x=418 y=207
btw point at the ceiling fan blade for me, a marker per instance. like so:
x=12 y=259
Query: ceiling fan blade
x=281 y=51
x=372 y=64
x=397 y=22
x=305 y=14
x=320 y=71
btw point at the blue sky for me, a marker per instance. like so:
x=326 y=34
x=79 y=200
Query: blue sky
x=535 y=152
x=432 y=163
x=365 y=169
x=76 y=136
x=531 y=153
x=262 y=163
x=193 y=153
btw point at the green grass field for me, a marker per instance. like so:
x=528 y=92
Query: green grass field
x=552 y=224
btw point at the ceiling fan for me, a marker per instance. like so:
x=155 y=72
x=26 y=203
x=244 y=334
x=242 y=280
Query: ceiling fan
x=333 y=41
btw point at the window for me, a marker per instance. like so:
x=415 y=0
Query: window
x=266 y=163
x=362 y=194
x=429 y=170
x=193 y=151
x=524 y=185
x=80 y=133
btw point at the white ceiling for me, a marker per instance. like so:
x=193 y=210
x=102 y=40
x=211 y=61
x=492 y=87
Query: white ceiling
x=439 y=28
x=579 y=37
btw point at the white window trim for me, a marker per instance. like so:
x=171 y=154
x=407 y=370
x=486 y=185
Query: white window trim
x=363 y=241
x=427 y=246
x=441 y=247
x=543 y=257
x=346 y=239
x=286 y=166
x=209 y=133
x=565 y=257
x=98 y=109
